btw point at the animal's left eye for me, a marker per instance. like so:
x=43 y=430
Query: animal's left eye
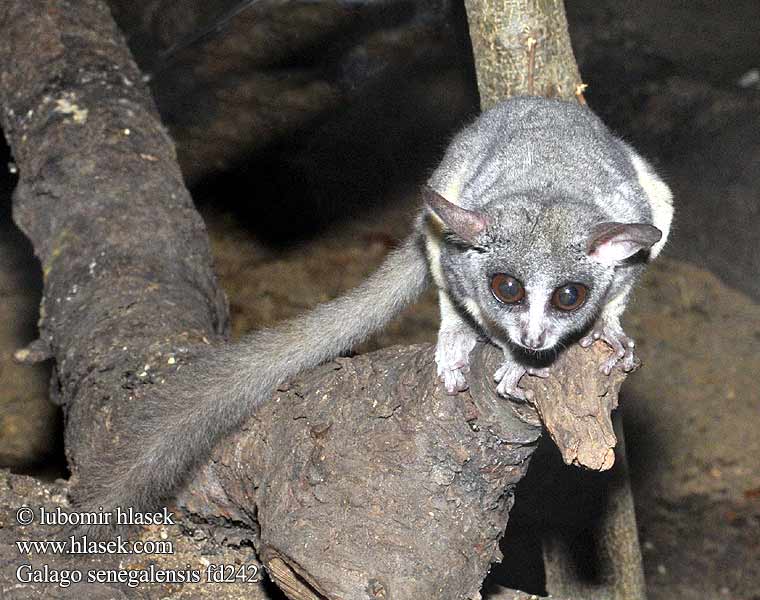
x=569 y=296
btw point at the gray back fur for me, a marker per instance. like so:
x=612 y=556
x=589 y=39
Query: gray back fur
x=529 y=146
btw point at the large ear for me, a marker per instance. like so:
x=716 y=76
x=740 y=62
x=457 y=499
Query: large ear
x=612 y=243
x=467 y=224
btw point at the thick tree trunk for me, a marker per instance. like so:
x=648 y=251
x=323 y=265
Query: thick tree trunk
x=125 y=256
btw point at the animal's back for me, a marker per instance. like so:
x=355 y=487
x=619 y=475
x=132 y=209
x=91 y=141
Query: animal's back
x=530 y=144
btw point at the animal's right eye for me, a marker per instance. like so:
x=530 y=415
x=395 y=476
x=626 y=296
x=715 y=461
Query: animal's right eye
x=506 y=289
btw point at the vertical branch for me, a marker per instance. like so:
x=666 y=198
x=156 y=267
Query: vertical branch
x=522 y=47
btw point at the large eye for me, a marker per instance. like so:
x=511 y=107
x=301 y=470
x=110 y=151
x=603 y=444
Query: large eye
x=569 y=296
x=507 y=289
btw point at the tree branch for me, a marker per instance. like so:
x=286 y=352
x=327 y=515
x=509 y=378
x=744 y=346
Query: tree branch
x=125 y=257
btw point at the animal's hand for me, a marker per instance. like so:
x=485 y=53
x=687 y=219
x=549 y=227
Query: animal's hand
x=622 y=345
x=452 y=355
x=507 y=376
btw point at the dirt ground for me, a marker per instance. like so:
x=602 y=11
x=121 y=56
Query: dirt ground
x=692 y=413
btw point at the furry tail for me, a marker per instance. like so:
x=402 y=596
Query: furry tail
x=177 y=428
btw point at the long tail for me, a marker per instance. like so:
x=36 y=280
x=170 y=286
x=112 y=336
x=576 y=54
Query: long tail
x=178 y=427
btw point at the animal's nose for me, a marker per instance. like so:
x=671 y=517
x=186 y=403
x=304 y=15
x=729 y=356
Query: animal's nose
x=533 y=340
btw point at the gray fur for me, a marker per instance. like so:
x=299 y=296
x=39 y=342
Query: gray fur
x=547 y=176
x=532 y=182
x=178 y=425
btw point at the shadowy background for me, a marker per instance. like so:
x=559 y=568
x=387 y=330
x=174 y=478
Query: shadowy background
x=304 y=131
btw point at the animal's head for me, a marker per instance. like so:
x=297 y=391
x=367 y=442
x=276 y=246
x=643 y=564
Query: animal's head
x=534 y=270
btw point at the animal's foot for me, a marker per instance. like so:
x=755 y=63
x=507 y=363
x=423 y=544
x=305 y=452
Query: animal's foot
x=452 y=355
x=507 y=376
x=622 y=346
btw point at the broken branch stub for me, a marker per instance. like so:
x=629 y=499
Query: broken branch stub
x=576 y=403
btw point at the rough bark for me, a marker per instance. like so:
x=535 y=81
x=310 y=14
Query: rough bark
x=125 y=256
x=360 y=479
x=389 y=477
